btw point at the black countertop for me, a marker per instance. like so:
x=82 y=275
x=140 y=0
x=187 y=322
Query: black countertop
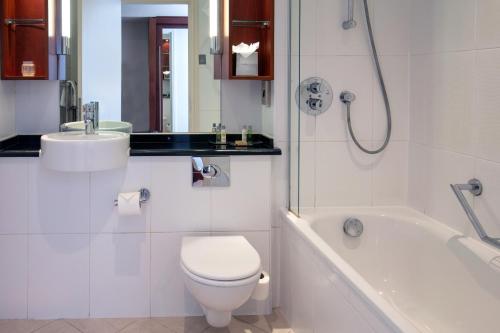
x=156 y=145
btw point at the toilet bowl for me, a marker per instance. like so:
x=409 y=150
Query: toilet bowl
x=221 y=273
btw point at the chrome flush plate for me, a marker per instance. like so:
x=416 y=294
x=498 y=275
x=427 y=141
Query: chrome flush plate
x=211 y=171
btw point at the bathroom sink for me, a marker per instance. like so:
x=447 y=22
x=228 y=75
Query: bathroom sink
x=104 y=126
x=80 y=152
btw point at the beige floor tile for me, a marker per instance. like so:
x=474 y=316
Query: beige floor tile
x=184 y=324
x=100 y=325
x=236 y=326
x=58 y=326
x=273 y=323
x=21 y=326
x=146 y=326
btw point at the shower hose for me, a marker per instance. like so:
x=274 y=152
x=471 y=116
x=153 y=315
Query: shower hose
x=384 y=93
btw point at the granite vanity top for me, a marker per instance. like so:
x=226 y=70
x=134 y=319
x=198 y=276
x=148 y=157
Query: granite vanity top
x=156 y=145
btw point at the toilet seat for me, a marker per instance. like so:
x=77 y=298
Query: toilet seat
x=222 y=260
x=220 y=283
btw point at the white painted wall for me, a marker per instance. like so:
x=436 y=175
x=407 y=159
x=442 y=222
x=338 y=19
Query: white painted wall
x=61 y=235
x=179 y=47
x=455 y=109
x=101 y=56
x=7 y=109
x=37 y=107
x=153 y=10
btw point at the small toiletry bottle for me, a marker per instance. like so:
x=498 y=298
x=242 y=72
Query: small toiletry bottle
x=244 y=134
x=214 y=128
x=223 y=135
x=250 y=134
x=218 y=134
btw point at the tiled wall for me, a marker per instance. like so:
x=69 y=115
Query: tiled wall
x=7 y=115
x=455 y=108
x=64 y=251
x=333 y=171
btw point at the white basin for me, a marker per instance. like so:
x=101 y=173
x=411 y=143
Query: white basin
x=104 y=126
x=79 y=152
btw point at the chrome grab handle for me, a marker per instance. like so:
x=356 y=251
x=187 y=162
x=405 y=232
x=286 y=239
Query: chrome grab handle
x=475 y=187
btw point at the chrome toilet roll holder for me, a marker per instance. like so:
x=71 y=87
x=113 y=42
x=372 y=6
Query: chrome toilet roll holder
x=144 y=196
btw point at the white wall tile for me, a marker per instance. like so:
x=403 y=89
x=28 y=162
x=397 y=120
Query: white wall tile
x=37 y=107
x=422 y=98
x=391 y=23
x=249 y=195
x=307 y=176
x=343 y=175
x=447 y=168
x=275 y=266
x=488 y=26
x=354 y=74
x=333 y=39
x=487 y=117
x=390 y=175
x=7 y=108
x=419 y=156
x=486 y=205
x=396 y=76
x=58 y=201
x=58 y=276
x=14 y=277
x=104 y=189
x=176 y=205
x=450 y=117
x=13 y=195
x=119 y=275
x=444 y=25
x=170 y=297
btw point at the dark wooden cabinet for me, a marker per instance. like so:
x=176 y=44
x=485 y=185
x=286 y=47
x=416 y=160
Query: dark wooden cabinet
x=25 y=39
x=247 y=21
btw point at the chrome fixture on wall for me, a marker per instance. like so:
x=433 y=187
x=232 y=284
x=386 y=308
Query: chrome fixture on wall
x=211 y=171
x=475 y=187
x=350 y=23
x=145 y=195
x=345 y=96
x=314 y=96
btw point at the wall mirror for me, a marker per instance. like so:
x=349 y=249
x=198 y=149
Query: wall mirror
x=146 y=62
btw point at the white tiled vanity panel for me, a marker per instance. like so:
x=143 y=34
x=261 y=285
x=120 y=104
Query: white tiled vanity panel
x=14 y=267
x=119 y=275
x=169 y=296
x=58 y=281
x=72 y=256
x=58 y=201
x=176 y=205
x=104 y=189
x=14 y=196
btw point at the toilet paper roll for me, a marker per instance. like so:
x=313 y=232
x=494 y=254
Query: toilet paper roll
x=129 y=204
x=261 y=292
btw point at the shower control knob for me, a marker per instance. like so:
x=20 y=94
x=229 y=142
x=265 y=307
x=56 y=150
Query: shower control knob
x=315 y=87
x=315 y=103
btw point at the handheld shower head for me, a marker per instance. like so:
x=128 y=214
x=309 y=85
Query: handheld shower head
x=350 y=23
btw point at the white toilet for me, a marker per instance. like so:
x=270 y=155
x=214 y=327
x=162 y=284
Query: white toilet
x=221 y=273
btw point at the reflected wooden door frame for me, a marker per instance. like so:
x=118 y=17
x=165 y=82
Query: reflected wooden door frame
x=156 y=26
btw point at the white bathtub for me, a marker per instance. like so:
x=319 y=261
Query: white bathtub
x=406 y=273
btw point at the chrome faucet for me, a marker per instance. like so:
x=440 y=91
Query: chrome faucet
x=91 y=117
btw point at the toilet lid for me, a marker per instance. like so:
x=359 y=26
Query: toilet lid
x=223 y=258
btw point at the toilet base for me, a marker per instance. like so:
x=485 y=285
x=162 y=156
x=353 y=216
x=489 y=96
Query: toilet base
x=217 y=318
